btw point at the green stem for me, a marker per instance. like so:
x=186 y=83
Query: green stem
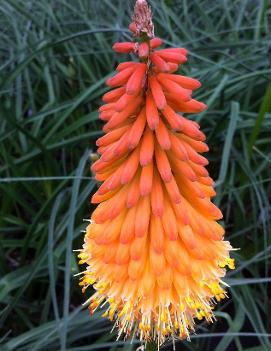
x=152 y=346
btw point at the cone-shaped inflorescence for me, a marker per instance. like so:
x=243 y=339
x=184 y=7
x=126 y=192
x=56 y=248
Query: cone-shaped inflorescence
x=154 y=251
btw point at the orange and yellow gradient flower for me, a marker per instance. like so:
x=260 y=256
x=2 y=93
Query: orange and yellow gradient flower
x=154 y=251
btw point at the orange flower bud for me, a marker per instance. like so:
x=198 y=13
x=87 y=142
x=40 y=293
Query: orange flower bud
x=135 y=83
x=143 y=50
x=124 y=47
x=171 y=56
x=159 y=63
x=156 y=42
x=157 y=93
x=151 y=112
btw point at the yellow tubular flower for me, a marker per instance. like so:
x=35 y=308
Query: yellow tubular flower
x=154 y=252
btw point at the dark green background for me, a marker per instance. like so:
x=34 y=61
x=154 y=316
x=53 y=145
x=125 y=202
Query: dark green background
x=54 y=58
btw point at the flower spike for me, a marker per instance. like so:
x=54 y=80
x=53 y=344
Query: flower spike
x=154 y=251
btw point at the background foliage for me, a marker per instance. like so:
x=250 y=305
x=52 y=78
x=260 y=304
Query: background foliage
x=55 y=57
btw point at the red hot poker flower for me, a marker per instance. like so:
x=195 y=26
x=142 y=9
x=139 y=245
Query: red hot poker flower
x=154 y=251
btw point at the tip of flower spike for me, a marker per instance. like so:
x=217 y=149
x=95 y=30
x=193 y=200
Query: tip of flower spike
x=142 y=19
